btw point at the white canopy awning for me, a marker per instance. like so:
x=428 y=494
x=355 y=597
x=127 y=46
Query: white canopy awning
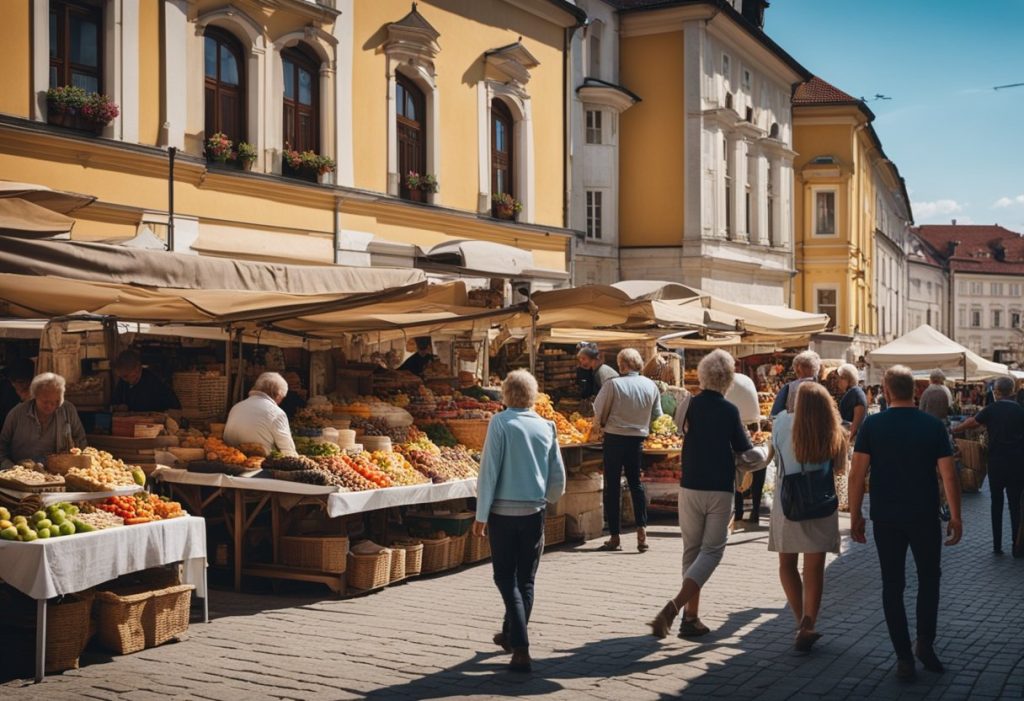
x=924 y=348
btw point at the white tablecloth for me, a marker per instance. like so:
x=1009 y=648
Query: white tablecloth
x=177 y=476
x=344 y=503
x=56 y=566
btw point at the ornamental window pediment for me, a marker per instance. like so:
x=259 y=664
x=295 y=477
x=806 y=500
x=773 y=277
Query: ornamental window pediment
x=510 y=65
x=413 y=39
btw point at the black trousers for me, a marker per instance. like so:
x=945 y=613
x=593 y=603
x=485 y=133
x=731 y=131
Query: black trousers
x=623 y=453
x=516 y=546
x=925 y=541
x=998 y=483
x=756 y=490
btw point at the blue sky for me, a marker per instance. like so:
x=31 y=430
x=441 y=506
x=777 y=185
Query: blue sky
x=958 y=143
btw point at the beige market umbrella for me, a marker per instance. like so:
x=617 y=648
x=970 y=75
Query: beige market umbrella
x=19 y=217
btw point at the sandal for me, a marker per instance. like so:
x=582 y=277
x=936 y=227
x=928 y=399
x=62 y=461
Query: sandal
x=641 y=543
x=610 y=547
x=692 y=628
x=662 y=623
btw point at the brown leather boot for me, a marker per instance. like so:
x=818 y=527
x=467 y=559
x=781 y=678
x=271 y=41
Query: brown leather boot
x=521 y=661
x=662 y=623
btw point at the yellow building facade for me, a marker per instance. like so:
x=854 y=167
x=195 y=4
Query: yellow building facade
x=469 y=92
x=851 y=217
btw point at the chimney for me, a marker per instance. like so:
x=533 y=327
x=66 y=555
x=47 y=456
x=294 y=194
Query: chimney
x=951 y=248
x=954 y=222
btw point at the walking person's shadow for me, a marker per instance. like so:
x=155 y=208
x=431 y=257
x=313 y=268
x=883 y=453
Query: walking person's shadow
x=486 y=672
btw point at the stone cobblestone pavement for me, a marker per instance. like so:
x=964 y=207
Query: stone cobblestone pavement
x=430 y=638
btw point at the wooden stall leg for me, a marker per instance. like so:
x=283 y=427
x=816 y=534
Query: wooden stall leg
x=40 y=639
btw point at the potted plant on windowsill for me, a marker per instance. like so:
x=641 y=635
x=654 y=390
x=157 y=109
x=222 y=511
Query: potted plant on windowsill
x=419 y=186
x=246 y=155
x=505 y=206
x=218 y=149
x=74 y=108
x=306 y=165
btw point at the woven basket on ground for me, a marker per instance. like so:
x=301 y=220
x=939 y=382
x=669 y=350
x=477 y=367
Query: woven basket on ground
x=320 y=553
x=133 y=620
x=554 y=530
x=457 y=550
x=469 y=432
x=413 y=556
x=477 y=548
x=972 y=454
x=369 y=571
x=435 y=555
x=971 y=480
x=397 y=565
x=67 y=631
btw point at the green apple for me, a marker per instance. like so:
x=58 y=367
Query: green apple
x=67 y=528
x=43 y=523
x=38 y=516
x=5 y=515
x=43 y=533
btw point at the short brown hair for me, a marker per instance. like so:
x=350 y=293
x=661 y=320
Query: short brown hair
x=899 y=380
x=818 y=435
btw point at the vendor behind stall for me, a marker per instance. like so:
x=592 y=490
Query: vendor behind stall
x=591 y=359
x=139 y=388
x=259 y=419
x=417 y=362
x=14 y=385
x=41 y=426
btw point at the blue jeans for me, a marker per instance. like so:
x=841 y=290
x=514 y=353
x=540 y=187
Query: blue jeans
x=623 y=454
x=516 y=546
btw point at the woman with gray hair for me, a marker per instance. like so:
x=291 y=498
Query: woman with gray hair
x=853 y=406
x=521 y=472
x=624 y=410
x=43 y=425
x=806 y=367
x=258 y=419
x=714 y=434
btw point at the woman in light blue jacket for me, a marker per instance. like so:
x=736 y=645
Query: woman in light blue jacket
x=521 y=471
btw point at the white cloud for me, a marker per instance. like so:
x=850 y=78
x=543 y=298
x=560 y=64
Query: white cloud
x=1003 y=202
x=936 y=208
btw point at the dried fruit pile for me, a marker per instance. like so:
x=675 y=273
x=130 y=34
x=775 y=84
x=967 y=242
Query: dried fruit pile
x=395 y=466
x=289 y=463
x=141 y=507
x=568 y=434
x=105 y=472
x=25 y=475
x=444 y=466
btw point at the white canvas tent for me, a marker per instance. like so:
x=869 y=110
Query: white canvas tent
x=924 y=348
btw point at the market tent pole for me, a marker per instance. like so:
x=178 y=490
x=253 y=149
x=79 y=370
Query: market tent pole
x=533 y=343
x=228 y=350
x=965 y=367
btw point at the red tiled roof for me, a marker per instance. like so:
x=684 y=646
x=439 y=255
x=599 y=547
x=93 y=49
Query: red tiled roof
x=990 y=249
x=819 y=92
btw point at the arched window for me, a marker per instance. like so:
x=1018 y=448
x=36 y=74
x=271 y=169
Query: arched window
x=411 y=117
x=224 y=68
x=301 y=99
x=502 y=162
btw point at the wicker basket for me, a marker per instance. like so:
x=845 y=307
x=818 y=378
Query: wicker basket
x=397 y=565
x=972 y=454
x=147 y=430
x=554 y=530
x=166 y=614
x=67 y=631
x=141 y=616
x=435 y=555
x=369 y=571
x=970 y=480
x=320 y=553
x=457 y=550
x=60 y=463
x=477 y=548
x=413 y=556
x=469 y=432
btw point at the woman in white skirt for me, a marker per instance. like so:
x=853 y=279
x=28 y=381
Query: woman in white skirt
x=811 y=437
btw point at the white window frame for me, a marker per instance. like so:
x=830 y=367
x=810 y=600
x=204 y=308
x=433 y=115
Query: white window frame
x=520 y=106
x=1015 y=324
x=819 y=288
x=995 y=289
x=595 y=34
x=595 y=215
x=1015 y=290
x=997 y=318
x=815 y=191
x=975 y=314
x=594 y=121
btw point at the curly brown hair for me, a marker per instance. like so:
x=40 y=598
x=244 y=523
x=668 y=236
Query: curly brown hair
x=818 y=435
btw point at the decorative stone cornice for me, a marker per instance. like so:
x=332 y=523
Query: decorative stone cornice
x=510 y=64
x=412 y=36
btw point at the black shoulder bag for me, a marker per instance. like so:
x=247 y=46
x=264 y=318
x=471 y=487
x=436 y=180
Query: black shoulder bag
x=808 y=495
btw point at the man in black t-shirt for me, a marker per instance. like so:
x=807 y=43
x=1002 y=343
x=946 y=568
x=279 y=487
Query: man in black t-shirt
x=139 y=388
x=902 y=447
x=1004 y=421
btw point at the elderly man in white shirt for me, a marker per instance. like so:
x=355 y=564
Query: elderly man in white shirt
x=259 y=419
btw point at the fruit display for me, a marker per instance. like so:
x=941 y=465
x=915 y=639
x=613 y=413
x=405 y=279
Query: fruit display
x=395 y=466
x=440 y=435
x=669 y=471
x=191 y=438
x=100 y=520
x=380 y=426
x=444 y=466
x=55 y=521
x=141 y=507
x=364 y=466
x=344 y=475
x=664 y=435
x=289 y=463
x=765 y=400
x=105 y=472
x=219 y=451
x=310 y=421
x=419 y=441
x=568 y=434
x=316 y=448
x=31 y=476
